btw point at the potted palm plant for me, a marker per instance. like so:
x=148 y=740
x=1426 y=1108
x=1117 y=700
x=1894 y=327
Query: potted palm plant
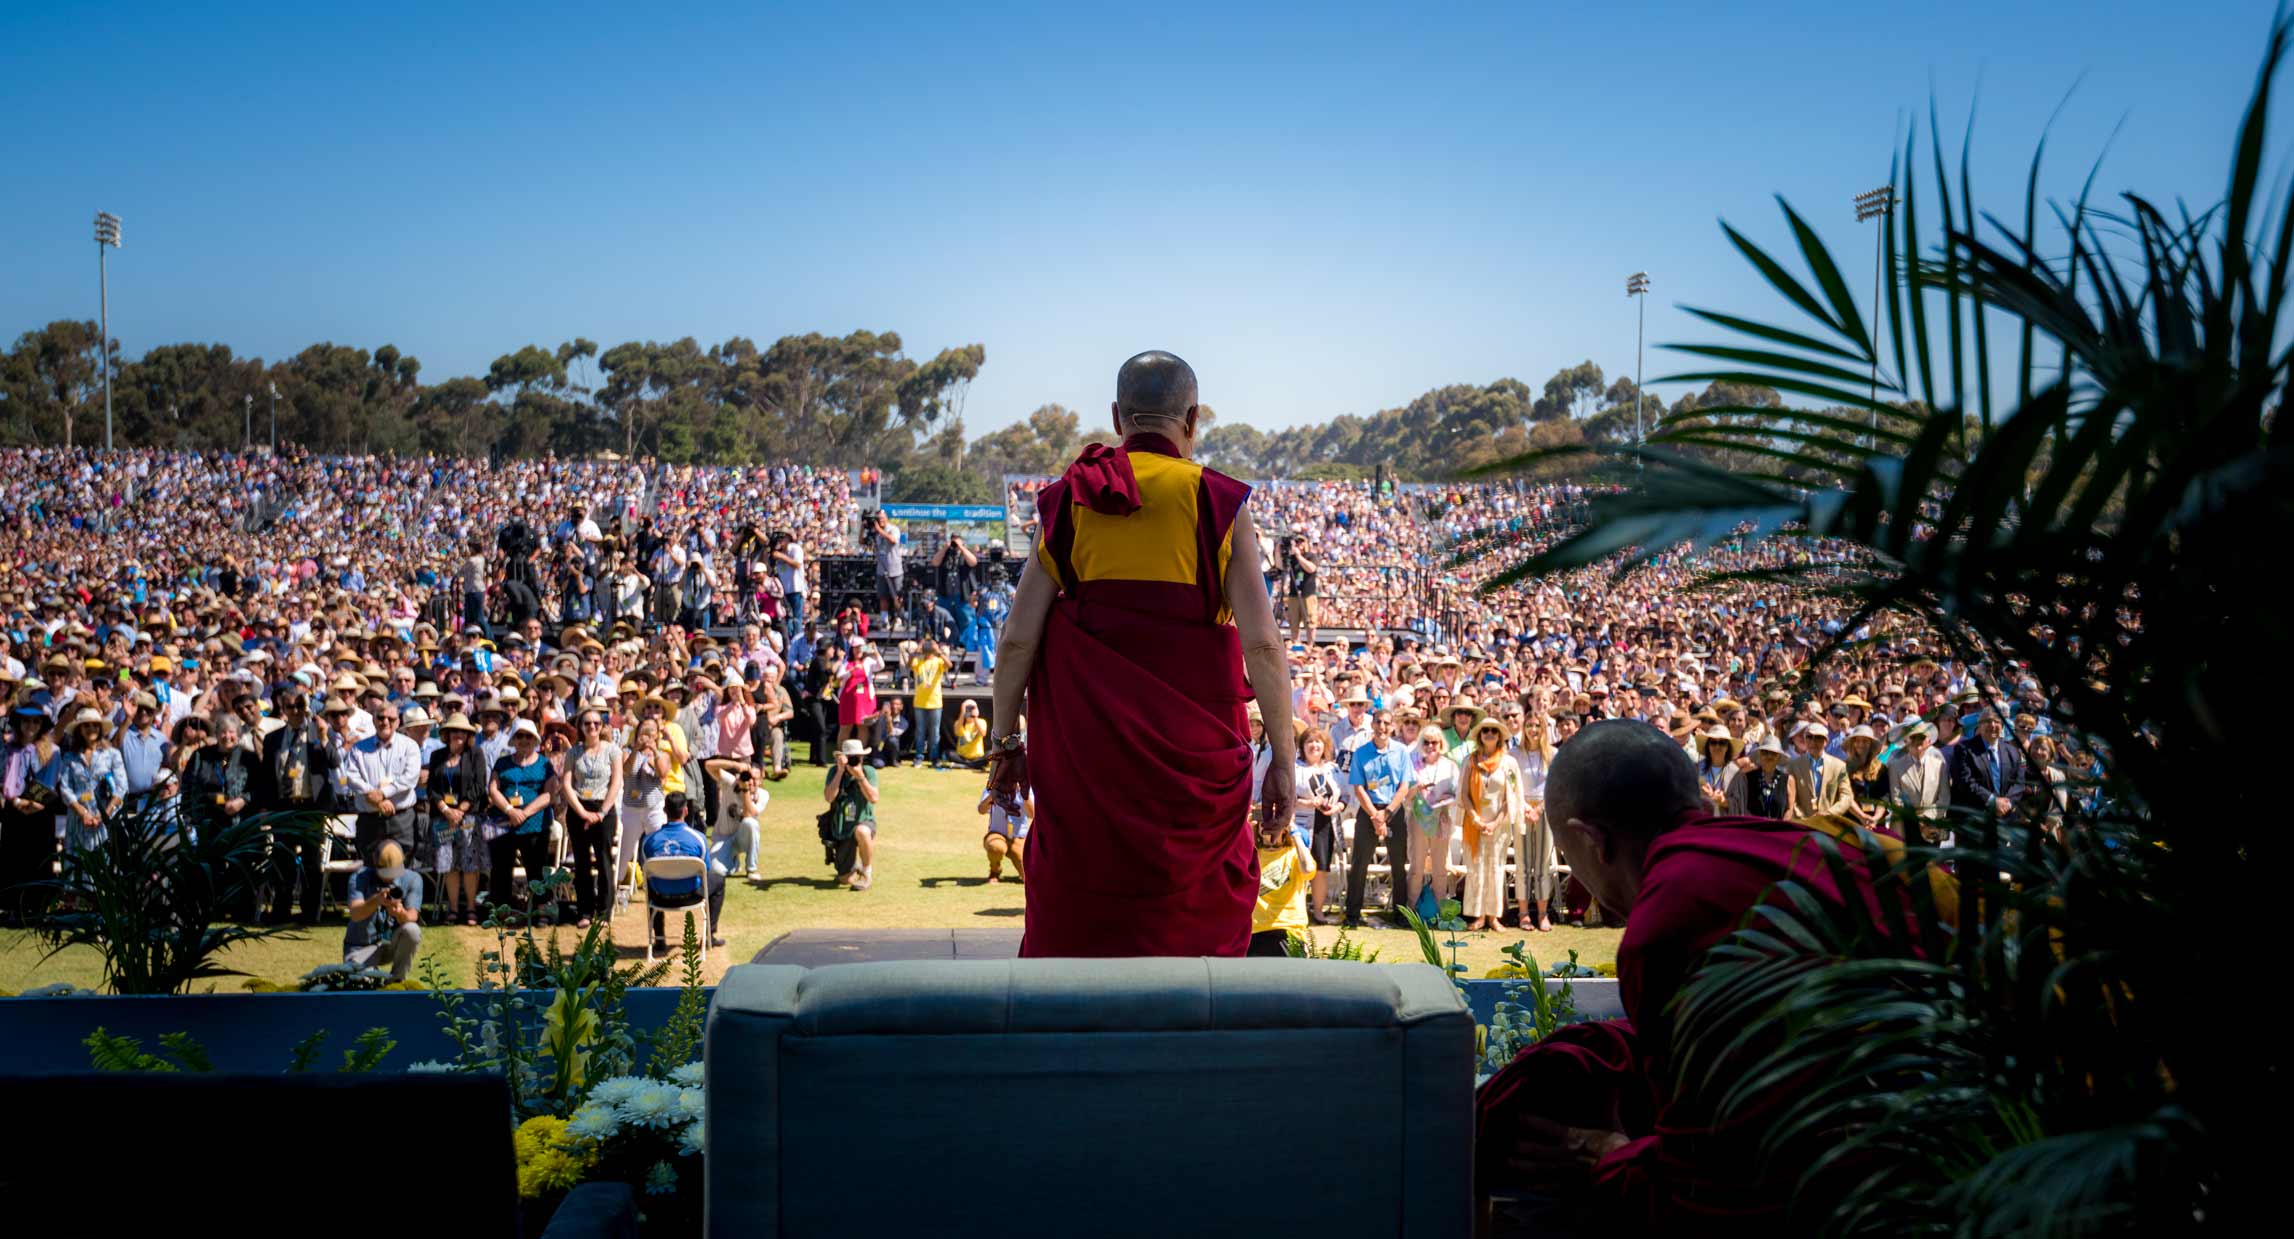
x=2092 y=503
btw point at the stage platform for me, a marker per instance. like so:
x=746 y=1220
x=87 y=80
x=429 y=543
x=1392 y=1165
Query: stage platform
x=814 y=948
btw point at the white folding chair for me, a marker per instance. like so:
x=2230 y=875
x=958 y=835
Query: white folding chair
x=341 y=835
x=677 y=869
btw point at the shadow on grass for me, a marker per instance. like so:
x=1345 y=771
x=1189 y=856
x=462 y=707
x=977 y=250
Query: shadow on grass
x=817 y=884
x=1000 y=912
x=936 y=883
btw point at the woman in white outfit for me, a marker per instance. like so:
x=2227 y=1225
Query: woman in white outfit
x=1533 y=857
x=1491 y=805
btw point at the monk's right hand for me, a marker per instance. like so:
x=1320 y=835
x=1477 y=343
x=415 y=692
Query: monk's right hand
x=1279 y=792
x=1552 y=1157
x=1007 y=771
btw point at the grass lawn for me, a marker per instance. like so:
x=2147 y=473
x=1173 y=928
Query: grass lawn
x=930 y=874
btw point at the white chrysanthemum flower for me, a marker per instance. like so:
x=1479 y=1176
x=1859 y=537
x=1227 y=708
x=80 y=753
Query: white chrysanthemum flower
x=617 y=1090
x=430 y=1067
x=694 y=1141
x=689 y=1076
x=691 y=1103
x=595 y=1123
x=652 y=1106
x=661 y=1180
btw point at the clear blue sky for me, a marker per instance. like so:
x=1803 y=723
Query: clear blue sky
x=1326 y=208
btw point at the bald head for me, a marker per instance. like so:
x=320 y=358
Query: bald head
x=1154 y=386
x=1625 y=775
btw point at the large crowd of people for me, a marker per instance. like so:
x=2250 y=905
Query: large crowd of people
x=498 y=667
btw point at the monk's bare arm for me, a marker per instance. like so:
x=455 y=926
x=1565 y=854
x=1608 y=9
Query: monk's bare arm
x=1263 y=661
x=1015 y=652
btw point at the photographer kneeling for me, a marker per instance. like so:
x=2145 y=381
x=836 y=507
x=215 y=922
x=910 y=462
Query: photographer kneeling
x=848 y=828
x=385 y=906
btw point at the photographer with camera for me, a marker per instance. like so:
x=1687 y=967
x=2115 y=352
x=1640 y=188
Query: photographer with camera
x=385 y=914
x=884 y=538
x=518 y=542
x=1304 y=580
x=959 y=572
x=849 y=825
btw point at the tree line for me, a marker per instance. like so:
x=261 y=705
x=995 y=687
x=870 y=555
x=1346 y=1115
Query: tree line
x=857 y=399
x=853 y=400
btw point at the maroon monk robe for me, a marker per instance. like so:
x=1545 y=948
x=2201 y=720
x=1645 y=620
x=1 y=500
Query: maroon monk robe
x=1700 y=881
x=1136 y=741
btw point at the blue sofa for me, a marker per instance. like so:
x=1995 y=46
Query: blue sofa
x=1054 y=1097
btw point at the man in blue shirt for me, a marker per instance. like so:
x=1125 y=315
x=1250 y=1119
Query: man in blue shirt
x=800 y=649
x=677 y=837
x=1380 y=768
x=142 y=746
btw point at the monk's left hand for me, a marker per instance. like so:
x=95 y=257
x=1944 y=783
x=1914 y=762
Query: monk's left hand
x=1553 y=1157
x=1279 y=794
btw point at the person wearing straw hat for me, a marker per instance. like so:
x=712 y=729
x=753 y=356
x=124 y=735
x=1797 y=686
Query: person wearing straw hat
x=520 y=793
x=1766 y=789
x=455 y=781
x=1491 y=807
x=1867 y=777
x=1919 y=782
x=1819 y=780
x=852 y=797
x=385 y=913
x=89 y=780
x=1716 y=749
x=1460 y=719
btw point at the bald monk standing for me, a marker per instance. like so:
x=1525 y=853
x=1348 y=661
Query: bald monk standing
x=1594 y=1113
x=1140 y=629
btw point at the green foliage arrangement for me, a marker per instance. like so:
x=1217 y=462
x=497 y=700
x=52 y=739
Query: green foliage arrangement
x=108 y=1052
x=1345 y=948
x=553 y=1020
x=1529 y=1009
x=679 y=1042
x=155 y=898
x=2038 y=1067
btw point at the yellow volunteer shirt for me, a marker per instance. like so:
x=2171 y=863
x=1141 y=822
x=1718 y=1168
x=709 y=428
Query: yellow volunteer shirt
x=929 y=672
x=1283 y=874
x=971 y=739
x=672 y=774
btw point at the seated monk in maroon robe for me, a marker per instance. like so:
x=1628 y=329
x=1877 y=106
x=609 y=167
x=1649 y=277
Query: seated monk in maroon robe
x=1130 y=635
x=1591 y=1117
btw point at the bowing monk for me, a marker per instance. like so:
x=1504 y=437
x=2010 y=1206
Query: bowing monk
x=1592 y=1116
x=1140 y=629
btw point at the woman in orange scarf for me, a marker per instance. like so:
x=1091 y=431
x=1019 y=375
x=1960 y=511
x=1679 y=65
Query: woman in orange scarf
x=1492 y=809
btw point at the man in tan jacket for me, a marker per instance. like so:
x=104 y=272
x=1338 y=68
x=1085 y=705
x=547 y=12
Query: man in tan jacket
x=1919 y=781
x=1819 y=780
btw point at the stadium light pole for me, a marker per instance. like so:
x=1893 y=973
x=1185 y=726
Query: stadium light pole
x=1637 y=287
x=274 y=419
x=1876 y=204
x=107 y=238
x=247 y=425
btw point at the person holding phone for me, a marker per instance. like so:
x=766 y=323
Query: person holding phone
x=385 y=929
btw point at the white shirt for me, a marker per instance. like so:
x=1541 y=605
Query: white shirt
x=392 y=769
